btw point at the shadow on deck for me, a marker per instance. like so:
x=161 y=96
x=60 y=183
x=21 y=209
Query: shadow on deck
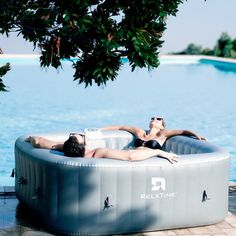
x=15 y=221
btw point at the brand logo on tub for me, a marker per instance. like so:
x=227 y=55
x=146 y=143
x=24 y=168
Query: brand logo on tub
x=158 y=183
x=158 y=188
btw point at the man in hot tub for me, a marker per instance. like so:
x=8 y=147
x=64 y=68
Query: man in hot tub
x=75 y=146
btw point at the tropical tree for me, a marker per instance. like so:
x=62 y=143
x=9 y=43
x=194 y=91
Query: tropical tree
x=233 y=51
x=98 y=32
x=3 y=70
x=223 y=46
x=192 y=49
x=208 y=52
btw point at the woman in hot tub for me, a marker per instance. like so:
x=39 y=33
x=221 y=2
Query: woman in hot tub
x=156 y=136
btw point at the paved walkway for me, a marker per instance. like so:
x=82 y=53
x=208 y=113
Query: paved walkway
x=224 y=228
x=14 y=223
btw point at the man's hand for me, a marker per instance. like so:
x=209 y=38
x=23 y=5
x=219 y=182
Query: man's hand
x=171 y=157
x=34 y=140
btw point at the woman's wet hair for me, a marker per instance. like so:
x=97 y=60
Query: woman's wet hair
x=72 y=148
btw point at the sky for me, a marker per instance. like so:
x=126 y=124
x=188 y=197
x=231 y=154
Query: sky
x=200 y=22
x=197 y=21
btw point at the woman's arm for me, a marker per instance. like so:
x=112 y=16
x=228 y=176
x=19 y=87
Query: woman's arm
x=133 y=155
x=170 y=133
x=40 y=142
x=132 y=129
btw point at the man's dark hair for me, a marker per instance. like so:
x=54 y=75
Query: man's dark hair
x=72 y=148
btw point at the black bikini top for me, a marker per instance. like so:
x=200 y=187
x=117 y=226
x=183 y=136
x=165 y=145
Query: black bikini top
x=153 y=144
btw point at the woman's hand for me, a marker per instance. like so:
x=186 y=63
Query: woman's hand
x=201 y=138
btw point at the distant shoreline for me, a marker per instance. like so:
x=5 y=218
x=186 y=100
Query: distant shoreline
x=198 y=58
x=164 y=59
x=192 y=58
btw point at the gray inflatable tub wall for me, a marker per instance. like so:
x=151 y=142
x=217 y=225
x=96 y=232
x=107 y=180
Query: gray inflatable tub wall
x=77 y=196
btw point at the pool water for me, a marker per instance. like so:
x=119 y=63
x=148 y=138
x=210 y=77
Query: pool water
x=199 y=96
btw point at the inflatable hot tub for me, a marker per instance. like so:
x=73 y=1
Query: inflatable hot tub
x=76 y=196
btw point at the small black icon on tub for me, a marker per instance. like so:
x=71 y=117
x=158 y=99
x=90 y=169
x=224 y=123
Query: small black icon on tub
x=107 y=204
x=204 y=196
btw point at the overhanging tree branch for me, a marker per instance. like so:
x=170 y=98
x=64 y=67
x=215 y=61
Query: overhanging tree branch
x=100 y=31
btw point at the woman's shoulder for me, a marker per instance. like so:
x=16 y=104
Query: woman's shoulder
x=171 y=132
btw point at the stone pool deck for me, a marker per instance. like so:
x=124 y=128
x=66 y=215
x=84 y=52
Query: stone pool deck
x=14 y=221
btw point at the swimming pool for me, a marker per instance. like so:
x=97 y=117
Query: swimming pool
x=190 y=95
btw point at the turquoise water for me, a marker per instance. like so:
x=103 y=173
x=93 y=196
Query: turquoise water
x=199 y=97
